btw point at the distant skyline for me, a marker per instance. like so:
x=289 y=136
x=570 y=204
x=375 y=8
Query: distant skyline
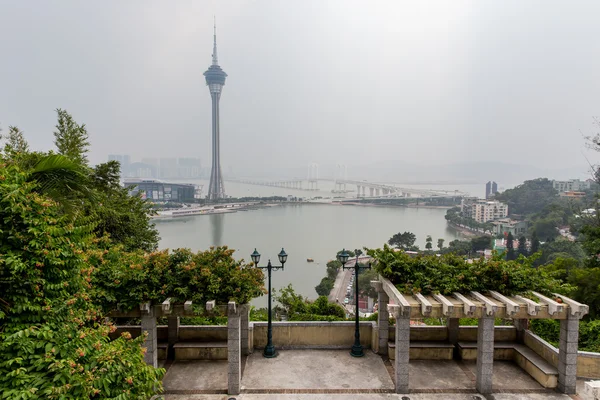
x=385 y=83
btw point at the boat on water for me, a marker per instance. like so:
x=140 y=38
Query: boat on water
x=191 y=211
x=206 y=210
x=310 y=260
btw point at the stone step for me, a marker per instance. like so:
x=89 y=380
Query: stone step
x=200 y=350
x=539 y=369
x=425 y=351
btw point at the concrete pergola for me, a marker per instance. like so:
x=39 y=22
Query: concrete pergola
x=485 y=307
x=237 y=331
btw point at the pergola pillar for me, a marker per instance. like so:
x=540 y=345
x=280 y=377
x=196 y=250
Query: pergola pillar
x=234 y=374
x=402 y=353
x=485 y=355
x=383 y=318
x=149 y=328
x=172 y=330
x=244 y=328
x=452 y=326
x=567 y=354
x=402 y=316
x=521 y=325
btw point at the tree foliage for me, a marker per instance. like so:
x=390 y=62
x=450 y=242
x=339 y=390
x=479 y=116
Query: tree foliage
x=123 y=280
x=428 y=244
x=404 y=241
x=522 y=248
x=71 y=139
x=510 y=247
x=449 y=273
x=440 y=243
x=528 y=198
x=15 y=142
x=53 y=342
x=298 y=308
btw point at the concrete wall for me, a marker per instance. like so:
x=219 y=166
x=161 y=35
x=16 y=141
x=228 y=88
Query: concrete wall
x=588 y=364
x=314 y=335
x=465 y=333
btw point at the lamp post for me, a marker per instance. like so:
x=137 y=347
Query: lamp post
x=269 y=351
x=357 y=349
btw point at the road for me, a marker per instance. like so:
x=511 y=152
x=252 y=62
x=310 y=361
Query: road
x=340 y=286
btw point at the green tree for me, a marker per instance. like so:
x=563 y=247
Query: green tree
x=522 y=248
x=535 y=243
x=71 y=139
x=15 y=142
x=440 y=244
x=125 y=218
x=364 y=282
x=510 y=250
x=458 y=247
x=561 y=248
x=480 y=243
x=530 y=197
x=428 y=244
x=404 y=241
x=54 y=343
x=324 y=287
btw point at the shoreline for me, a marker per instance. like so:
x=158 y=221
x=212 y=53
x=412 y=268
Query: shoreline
x=465 y=231
x=348 y=203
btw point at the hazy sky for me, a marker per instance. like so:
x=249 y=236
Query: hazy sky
x=309 y=81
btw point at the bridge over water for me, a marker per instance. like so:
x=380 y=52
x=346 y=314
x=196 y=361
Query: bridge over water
x=341 y=186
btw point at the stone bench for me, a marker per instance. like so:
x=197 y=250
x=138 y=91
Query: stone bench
x=538 y=368
x=502 y=350
x=425 y=351
x=200 y=350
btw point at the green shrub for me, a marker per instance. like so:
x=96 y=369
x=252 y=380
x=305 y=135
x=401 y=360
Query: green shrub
x=450 y=273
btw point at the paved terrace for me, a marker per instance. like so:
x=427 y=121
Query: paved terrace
x=334 y=374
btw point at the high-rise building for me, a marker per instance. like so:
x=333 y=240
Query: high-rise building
x=215 y=80
x=483 y=210
x=168 y=168
x=189 y=168
x=491 y=188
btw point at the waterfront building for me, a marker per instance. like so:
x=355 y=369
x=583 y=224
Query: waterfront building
x=572 y=185
x=215 y=80
x=484 y=210
x=155 y=190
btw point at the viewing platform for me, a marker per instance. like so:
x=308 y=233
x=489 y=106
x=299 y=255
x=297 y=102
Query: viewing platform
x=419 y=362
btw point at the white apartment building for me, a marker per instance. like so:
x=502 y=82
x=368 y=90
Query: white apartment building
x=484 y=210
x=572 y=185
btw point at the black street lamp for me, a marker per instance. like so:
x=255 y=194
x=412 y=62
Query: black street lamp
x=269 y=351
x=357 y=349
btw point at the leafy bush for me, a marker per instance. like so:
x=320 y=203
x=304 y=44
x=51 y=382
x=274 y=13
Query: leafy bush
x=549 y=330
x=450 y=273
x=124 y=280
x=299 y=308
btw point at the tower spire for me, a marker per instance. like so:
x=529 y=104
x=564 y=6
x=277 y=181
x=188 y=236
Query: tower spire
x=214 y=54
